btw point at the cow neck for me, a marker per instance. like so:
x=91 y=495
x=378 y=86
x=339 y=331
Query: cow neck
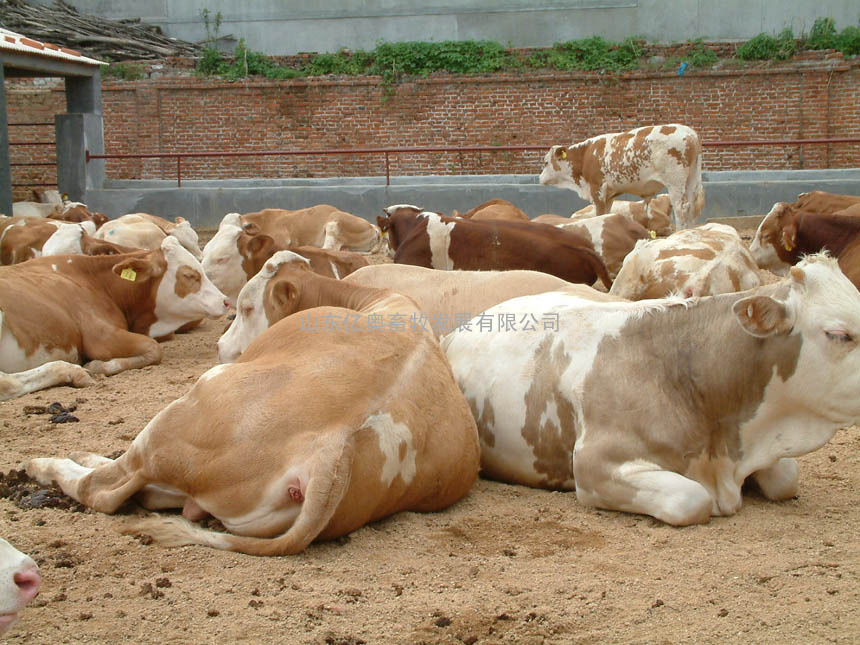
x=136 y=301
x=833 y=232
x=320 y=291
x=722 y=384
x=402 y=225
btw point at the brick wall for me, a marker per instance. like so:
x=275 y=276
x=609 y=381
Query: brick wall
x=810 y=98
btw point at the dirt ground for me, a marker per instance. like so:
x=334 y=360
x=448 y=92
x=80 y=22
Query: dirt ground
x=506 y=564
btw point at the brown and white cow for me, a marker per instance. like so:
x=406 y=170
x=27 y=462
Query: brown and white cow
x=448 y=243
x=494 y=209
x=636 y=413
x=640 y=162
x=102 y=310
x=19 y=583
x=787 y=232
x=703 y=261
x=32 y=237
x=233 y=256
x=296 y=445
x=446 y=298
x=654 y=214
x=612 y=237
x=145 y=231
x=323 y=226
x=66 y=212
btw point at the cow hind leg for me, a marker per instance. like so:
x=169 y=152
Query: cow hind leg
x=332 y=240
x=327 y=483
x=42 y=377
x=153 y=497
x=682 y=207
x=638 y=487
x=103 y=488
x=779 y=481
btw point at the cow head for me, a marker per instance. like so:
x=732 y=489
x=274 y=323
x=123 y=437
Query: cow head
x=232 y=256
x=820 y=311
x=184 y=292
x=19 y=583
x=774 y=244
x=67 y=239
x=557 y=169
x=269 y=296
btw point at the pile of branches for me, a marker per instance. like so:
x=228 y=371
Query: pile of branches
x=94 y=36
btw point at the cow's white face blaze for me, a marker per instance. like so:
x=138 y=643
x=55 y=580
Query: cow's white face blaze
x=67 y=239
x=761 y=246
x=19 y=583
x=251 y=319
x=556 y=169
x=222 y=261
x=185 y=293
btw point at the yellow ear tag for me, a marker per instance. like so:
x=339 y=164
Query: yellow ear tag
x=653 y=235
x=128 y=274
x=564 y=154
x=787 y=245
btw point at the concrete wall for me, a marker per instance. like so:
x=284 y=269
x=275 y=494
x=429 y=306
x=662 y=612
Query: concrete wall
x=204 y=203
x=282 y=27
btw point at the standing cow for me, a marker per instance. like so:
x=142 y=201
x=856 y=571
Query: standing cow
x=641 y=162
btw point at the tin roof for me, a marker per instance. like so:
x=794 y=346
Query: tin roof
x=12 y=42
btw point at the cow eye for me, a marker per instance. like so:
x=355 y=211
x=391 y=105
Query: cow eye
x=839 y=336
x=247 y=310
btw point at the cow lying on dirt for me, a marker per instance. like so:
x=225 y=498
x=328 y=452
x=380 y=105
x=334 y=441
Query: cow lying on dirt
x=310 y=435
x=666 y=407
x=233 y=256
x=105 y=310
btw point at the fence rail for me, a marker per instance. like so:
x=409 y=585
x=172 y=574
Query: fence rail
x=387 y=152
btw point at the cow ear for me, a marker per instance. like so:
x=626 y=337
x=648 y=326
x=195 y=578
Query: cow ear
x=260 y=245
x=560 y=152
x=251 y=228
x=789 y=236
x=383 y=223
x=136 y=270
x=284 y=296
x=179 y=220
x=762 y=316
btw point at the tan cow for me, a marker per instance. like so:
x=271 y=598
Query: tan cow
x=612 y=237
x=640 y=162
x=702 y=261
x=103 y=310
x=323 y=226
x=313 y=433
x=494 y=209
x=145 y=231
x=233 y=256
x=446 y=299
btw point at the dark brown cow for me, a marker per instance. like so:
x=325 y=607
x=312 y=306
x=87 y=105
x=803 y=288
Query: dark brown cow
x=430 y=240
x=785 y=234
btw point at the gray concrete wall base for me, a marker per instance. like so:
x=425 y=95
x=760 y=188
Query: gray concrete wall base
x=204 y=203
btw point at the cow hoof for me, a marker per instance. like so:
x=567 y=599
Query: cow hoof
x=80 y=377
x=40 y=470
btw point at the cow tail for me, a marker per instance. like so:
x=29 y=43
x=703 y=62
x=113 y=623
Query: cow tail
x=599 y=267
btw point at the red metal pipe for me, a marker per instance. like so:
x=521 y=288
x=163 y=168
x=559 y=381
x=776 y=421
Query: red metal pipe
x=388 y=151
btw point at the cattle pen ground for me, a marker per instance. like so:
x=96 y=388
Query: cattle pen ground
x=507 y=564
